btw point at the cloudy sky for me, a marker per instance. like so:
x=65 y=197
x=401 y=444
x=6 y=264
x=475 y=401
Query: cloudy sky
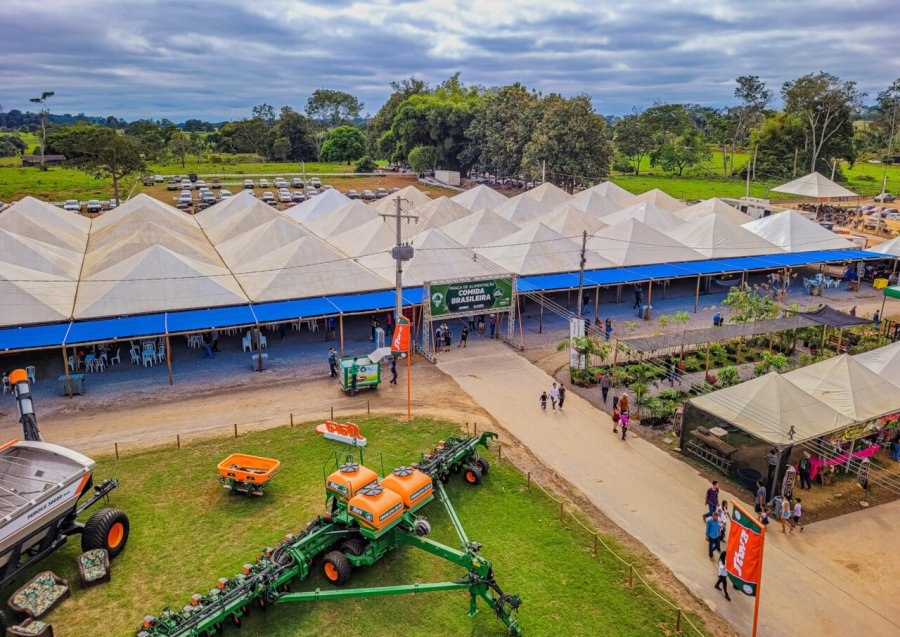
x=215 y=60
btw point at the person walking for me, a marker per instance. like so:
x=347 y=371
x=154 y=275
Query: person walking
x=616 y=417
x=712 y=535
x=759 y=503
x=393 y=370
x=805 y=468
x=784 y=516
x=481 y=324
x=604 y=386
x=638 y=294
x=389 y=323
x=554 y=395
x=493 y=321
x=672 y=372
x=282 y=331
x=215 y=340
x=373 y=325
x=895 y=448
x=448 y=336
x=354 y=372
x=798 y=513
x=463 y=336
x=876 y=319
x=722 y=517
x=562 y=395
x=332 y=362
x=544 y=400
x=623 y=422
x=623 y=405
x=712 y=499
x=608 y=329
x=723 y=575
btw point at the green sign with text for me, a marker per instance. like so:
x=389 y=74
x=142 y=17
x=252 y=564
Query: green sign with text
x=471 y=296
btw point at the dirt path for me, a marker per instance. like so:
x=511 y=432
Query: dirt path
x=835 y=578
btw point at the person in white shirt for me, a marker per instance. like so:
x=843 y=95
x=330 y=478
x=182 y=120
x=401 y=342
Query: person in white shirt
x=798 y=513
x=722 y=517
x=723 y=576
x=554 y=395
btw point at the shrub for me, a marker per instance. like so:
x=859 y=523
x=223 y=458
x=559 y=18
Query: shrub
x=675 y=395
x=761 y=369
x=693 y=364
x=215 y=159
x=366 y=165
x=729 y=376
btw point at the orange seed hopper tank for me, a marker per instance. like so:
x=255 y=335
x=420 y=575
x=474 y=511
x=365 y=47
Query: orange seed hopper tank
x=350 y=478
x=410 y=484
x=376 y=508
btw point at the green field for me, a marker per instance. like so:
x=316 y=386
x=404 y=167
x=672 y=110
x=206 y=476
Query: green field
x=187 y=531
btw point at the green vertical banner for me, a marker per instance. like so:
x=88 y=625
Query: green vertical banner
x=470 y=296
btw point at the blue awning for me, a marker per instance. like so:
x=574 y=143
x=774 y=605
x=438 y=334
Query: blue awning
x=212 y=318
x=35 y=337
x=546 y=282
x=117 y=328
x=293 y=310
x=348 y=303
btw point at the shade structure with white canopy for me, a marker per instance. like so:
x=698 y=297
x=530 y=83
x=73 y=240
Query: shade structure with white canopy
x=318 y=205
x=410 y=198
x=792 y=232
x=479 y=198
x=597 y=204
x=370 y=237
x=230 y=218
x=716 y=237
x=47 y=223
x=520 y=209
x=537 y=249
x=661 y=199
x=480 y=228
x=439 y=212
x=814 y=185
x=884 y=361
x=547 y=194
x=569 y=220
x=648 y=213
x=888 y=248
x=713 y=206
x=342 y=219
x=633 y=242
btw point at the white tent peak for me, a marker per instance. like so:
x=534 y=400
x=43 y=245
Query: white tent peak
x=439 y=212
x=547 y=194
x=48 y=212
x=717 y=238
x=480 y=228
x=646 y=212
x=791 y=231
x=538 y=249
x=569 y=220
x=318 y=205
x=891 y=247
x=521 y=209
x=884 y=361
x=479 y=198
x=226 y=223
x=658 y=198
x=713 y=206
x=342 y=219
x=143 y=204
x=633 y=242
x=414 y=198
x=814 y=185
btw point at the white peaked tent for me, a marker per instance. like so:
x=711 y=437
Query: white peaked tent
x=847 y=386
x=713 y=206
x=222 y=224
x=374 y=236
x=648 y=213
x=45 y=222
x=891 y=248
x=479 y=198
x=142 y=206
x=521 y=209
x=611 y=190
x=569 y=220
x=814 y=185
x=774 y=409
x=717 y=238
x=633 y=242
x=436 y=257
x=884 y=361
x=32 y=296
x=414 y=198
x=479 y=228
x=318 y=205
x=32 y=254
x=547 y=194
x=598 y=205
x=439 y=212
x=658 y=198
x=536 y=249
x=281 y=260
x=791 y=231
x=155 y=279
x=343 y=219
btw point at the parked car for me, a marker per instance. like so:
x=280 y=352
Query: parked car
x=94 y=205
x=296 y=182
x=158 y=179
x=263 y=183
x=216 y=183
x=199 y=184
x=186 y=184
x=72 y=205
x=192 y=177
x=298 y=196
x=311 y=192
x=224 y=194
x=315 y=182
x=885 y=197
x=368 y=195
x=352 y=194
x=893 y=216
x=185 y=197
x=208 y=197
x=248 y=184
x=267 y=196
x=172 y=185
x=147 y=180
x=393 y=190
x=381 y=192
x=284 y=195
x=327 y=186
x=112 y=204
x=280 y=183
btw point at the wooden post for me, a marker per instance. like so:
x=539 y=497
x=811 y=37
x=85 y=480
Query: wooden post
x=117 y=450
x=178 y=440
x=678 y=622
x=840 y=334
x=615 y=354
x=292 y=420
x=476 y=428
x=697 y=296
x=649 y=297
x=235 y=430
x=630 y=576
x=66 y=367
x=341 y=327
x=595 y=545
x=618 y=294
x=771 y=338
x=562 y=511
x=169 y=359
x=368 y=407
x=332 y=413
x=528 y=481
x=259 y=347
x=707 y=359
x=737 y=356
x=541 y=321
x=499 y=451
x=597 y=304
x=824 y=330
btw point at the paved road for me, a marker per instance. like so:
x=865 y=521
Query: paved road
x=838 y=577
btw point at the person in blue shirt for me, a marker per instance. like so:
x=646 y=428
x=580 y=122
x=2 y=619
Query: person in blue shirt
x=712 y=535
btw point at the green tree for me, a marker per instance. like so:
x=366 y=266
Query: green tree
x=825 y=104
x=666 y=122
x=298 y=130
x=180 y=146
x=366 y=165
x=753 y=96
x=634 y=139
x=381 y=123
x=345 y=143
x=688 y=150
x=43 y=113
x=500 y=129
x=749 y=304
x=102 y=152
x=721 y=131
x=422 y=158
x=571 y=138
x=333 y=108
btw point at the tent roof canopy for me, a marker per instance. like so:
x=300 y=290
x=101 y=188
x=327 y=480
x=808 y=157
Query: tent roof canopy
x=814 y=185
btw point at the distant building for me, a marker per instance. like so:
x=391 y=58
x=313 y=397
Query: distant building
x=49 y=160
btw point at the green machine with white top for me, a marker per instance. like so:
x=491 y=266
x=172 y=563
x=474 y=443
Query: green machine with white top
x=367 y=370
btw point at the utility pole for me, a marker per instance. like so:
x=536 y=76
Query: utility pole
x=544 y=171
x=833 y=168
x=400 y=252
x=581 y=273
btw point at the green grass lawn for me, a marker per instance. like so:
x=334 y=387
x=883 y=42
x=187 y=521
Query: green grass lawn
x=865 y=178
x=187 y=531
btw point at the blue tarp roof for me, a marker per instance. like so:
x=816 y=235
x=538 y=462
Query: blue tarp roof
x=68 y=333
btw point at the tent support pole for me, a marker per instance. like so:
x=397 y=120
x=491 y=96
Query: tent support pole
x=169 y=359
x=884 y=296
x=615 y=355
x=66 y=367
x=341 y=326
x=618 y=294
x=771 y=338
x=521 y=330
x=840 y=334
x=737 y=356
x=597 y=304
x=649 y=298
x=568 y=298
x=259 y=348
x=824 y=331
x=697 y=296
x=708 y=344
x=541 y=322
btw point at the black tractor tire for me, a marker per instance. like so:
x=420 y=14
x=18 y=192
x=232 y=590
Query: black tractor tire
x=445 y=478
x=354 y=546
x=455 y=468
x=337 y=568
x=106 y=529
x=423 y=527
x=482 y=462
x=472 y=475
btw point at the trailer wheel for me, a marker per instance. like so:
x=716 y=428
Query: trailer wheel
x=473 y=474
x=354 y=546
x=455 y=468
x=337 y=568
x=445 y=478
x=483 y=463
x=423 y=527
x=106 y=529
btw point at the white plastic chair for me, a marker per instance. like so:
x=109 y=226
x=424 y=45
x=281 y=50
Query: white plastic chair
x=89 y=362
x=135 y=357
x=161 y=354
x=99 y=365
x=313 y=325
x=149 y=358
x=245 y=343
x=262 y=342
x=117 y=359
x=72 y=363
x=32 y=373
x=6 y=386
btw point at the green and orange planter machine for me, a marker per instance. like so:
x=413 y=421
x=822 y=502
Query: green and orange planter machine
x=367 y=518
